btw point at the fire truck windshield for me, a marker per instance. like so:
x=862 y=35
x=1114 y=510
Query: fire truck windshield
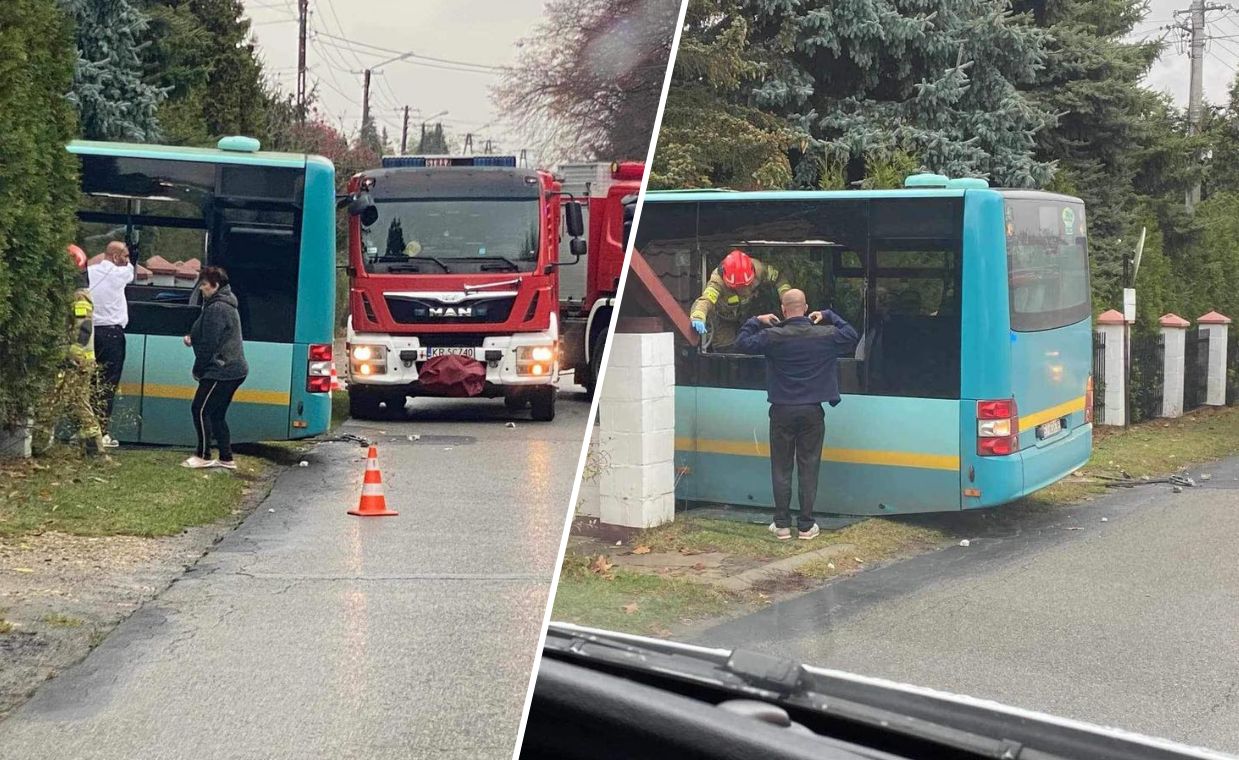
x=452 y=235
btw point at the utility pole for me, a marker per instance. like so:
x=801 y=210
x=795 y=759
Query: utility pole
x=1195 y=27
x=404 y=133
x=365 y=101
x=303 y=11
x=1195 y=93
x=468 y=149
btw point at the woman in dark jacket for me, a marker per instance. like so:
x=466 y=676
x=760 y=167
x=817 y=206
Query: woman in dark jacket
x=219 y=367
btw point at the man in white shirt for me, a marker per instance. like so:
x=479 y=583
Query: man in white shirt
x=108 y=279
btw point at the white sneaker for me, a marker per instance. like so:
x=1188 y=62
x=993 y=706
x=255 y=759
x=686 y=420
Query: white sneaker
x=198 y=463
x=811 y=533
x=110 y=443
x=780 y=533
x=231 y=464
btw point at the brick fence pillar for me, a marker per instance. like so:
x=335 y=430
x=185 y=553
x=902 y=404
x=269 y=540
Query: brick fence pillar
x=1217 y=326
x=1174 y=335
x=1114 y=385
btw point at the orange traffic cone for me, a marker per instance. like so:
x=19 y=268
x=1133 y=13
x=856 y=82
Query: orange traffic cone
x=373 y=503
x=336 y=385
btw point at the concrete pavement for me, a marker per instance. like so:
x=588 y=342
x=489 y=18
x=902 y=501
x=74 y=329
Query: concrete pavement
x=1132 y=622
x=308 y=633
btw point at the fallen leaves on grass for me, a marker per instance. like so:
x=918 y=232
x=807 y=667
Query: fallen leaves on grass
x=630 y=608
x=642 y=549
x=699 y=566
x=602 y=566
x=688 y=552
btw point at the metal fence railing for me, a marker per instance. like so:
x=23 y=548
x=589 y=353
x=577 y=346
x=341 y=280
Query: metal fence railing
x=1232 y=369
x=1195 y=368
x=1146 y=377
x=1099 y=378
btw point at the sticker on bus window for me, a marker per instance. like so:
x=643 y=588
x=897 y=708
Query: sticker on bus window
x=1069 y=221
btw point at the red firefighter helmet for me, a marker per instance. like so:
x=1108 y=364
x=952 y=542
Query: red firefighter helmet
x=738 y=270
x=78 y=256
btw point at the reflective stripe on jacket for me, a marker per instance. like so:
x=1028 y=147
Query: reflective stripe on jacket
x=725 y=303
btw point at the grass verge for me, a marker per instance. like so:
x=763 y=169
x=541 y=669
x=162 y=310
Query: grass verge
x=140 y=492
x=651 y=604
x=646 y=604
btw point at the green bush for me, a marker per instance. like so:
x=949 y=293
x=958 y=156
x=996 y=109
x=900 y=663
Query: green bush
x=38 y=195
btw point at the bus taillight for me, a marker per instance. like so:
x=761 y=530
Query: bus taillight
x=1088 y=400
x=998 y=428
x=318 y=373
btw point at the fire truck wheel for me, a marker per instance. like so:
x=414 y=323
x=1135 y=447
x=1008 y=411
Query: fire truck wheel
x=595 y=363
x=363 y=404
x=515 y=402
x=542 y=403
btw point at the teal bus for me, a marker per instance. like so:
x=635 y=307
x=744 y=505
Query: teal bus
x=269 y=220
x=971 y=385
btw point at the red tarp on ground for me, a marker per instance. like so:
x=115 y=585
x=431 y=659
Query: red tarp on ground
x=453 y=375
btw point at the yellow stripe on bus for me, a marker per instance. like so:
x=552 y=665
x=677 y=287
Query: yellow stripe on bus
x=850 y=456
x=1053 y=413
x=186 y=393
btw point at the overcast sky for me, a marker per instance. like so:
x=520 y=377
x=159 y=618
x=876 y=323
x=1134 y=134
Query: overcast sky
x=1170 y=73
x=481 y=32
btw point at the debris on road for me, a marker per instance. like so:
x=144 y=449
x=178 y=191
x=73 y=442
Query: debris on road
x=1205 y=476
x=965 y=543
x=303 y=463
x=1177 y=489
x=510 y=424
x=1105 y=519
x=414 y=437
x=269 y=509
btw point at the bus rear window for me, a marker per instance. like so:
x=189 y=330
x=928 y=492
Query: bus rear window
x=1047 y=264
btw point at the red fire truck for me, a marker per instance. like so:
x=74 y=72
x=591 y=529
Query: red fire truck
x=585 y=319
x=455 y=255
x=460 y=255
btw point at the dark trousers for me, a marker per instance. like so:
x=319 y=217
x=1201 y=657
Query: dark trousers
x=110 y=358
x=796 y=436
x=210 y=408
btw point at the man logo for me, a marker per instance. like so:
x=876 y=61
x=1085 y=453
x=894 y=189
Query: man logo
x=451 y=311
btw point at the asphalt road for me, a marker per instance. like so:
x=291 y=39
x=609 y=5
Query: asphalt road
x=308 y=633
x=1132 y=622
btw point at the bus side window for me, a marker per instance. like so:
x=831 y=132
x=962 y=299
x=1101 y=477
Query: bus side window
x=915 y=327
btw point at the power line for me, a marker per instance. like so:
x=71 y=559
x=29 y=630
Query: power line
x=336 y=89
x=409 y=54
x=1219 y=59
x=340 y=28
x=414 y=62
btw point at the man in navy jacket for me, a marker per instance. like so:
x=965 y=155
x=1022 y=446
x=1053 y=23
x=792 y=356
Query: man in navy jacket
x=802 y=371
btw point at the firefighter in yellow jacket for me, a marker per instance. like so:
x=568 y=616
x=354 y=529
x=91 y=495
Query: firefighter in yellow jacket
x=75 y=381
x=720 y=308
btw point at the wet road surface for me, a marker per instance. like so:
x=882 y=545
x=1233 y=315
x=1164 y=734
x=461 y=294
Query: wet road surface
x=309 y=633
x=1132 y=622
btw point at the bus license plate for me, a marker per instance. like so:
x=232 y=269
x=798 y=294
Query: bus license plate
x=1053 y=427
x=448 y=350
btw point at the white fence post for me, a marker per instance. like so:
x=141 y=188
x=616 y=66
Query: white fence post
x=1216 y=325
x=1174 y=336
x=637 y=431
x=1114 y=387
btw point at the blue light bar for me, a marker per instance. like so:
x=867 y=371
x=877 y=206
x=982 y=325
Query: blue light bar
x=395 y=162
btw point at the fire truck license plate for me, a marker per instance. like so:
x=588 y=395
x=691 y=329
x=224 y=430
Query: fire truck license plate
x=446 y=350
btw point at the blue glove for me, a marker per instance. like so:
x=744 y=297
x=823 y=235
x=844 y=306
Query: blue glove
x=700 y=326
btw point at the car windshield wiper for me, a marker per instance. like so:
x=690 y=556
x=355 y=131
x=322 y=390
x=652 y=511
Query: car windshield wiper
x=980 y=727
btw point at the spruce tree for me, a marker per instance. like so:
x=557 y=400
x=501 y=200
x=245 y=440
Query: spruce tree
x=712 y=136
x=935 y=79
x=1091 y=80
x=113 y=99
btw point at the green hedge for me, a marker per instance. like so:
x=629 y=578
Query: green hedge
x=38 y=195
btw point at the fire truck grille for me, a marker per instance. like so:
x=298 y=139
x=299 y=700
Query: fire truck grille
x=427 y=311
